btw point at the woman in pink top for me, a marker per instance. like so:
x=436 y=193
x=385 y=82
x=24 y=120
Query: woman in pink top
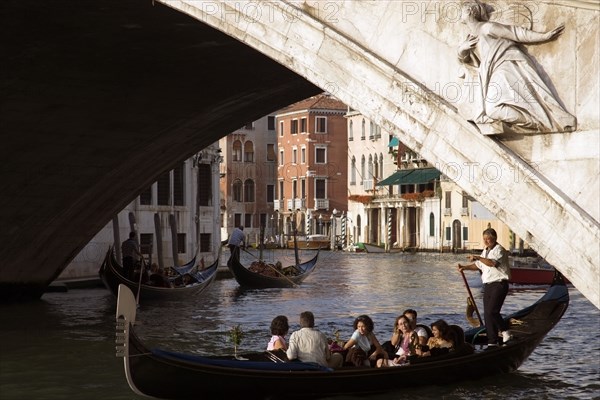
x=279 y=328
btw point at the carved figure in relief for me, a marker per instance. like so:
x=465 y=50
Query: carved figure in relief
x=510 y=89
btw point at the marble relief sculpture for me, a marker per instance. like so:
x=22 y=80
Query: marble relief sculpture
x=510 y=93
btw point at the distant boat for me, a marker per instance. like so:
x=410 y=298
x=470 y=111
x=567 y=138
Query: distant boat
x=111 y=274
x=250 y=279
x=311 y=242
x=372 y=248
x=531 y=271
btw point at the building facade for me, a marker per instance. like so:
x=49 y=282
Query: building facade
x=312 y=166
x=248 y=179
x=174 y=219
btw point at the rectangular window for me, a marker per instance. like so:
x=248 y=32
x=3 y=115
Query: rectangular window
x=448 y=196
x=294 y=189
x=465 y=233
x=204 y=185
x=205 y=242
x=280 y=190
x=247 y=220
x=280 y=157
x=249 y=126
x=263 y=220
x=179 y=186
x=294 y=156
x=270 y=152
x=270 y=193
x=303 y=155
x=321 y=125
x=303 y=125
x=320 y=155
x=146 y=197
x=294 y=127
x=181 y=243
x=164 y=189
x=237 y=219
x=280 y=128
x=271 y=123
x=465 y=200
x=146 y=242
x=320 y=189
x=448 y=233
x=302 y=188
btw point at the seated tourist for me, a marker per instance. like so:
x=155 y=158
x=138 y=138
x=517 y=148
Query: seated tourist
x=363 y=347
x=408 y=342
x=310 y=345
x=158 y=277
x=441 y=342
x=421 y=332
x=279 y=328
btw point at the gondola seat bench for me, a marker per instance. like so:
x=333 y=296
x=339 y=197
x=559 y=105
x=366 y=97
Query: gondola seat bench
x=240 y=364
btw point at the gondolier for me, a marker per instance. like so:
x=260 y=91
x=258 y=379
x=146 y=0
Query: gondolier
x=130 y=251
x=495 y=273
x=237 y=239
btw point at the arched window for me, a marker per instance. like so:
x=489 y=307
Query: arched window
x=249 y=191
x=353 y=171
x=358 y=228
x=363 y=129
x=249 y=151
x=381 y=165
x=351 y=131
x=370 y=167
x=431 y=225
x=236 y=155
x=375 y=167
x=237 y=190
x=362 y=169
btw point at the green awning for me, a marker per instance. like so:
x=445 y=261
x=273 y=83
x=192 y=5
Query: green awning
x=411 y=177
x=394 y=142
x=395 y=178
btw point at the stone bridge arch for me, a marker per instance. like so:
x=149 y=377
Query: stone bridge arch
x=383 y=59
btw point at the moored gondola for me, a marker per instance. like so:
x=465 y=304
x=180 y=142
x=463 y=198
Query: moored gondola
x=111 y=274
x=249 y=279
x=169 y=375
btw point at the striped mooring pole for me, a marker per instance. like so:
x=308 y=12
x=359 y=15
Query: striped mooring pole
x=343 y=230
x=389 y=230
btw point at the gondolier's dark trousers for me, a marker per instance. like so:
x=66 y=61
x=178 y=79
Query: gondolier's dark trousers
x=128 y=267
x=494 y=294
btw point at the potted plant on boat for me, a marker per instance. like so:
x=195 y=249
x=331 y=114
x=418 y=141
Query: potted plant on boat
x=236 y=335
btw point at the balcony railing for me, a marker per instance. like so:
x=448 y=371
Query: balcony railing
x=447 y=211
x=322 y=204
x=290 y=204
x=277 y=205
x=464 y=211
x=368 y=184
x=299 y=204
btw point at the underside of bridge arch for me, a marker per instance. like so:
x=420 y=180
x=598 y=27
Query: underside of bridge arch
x=97 y=99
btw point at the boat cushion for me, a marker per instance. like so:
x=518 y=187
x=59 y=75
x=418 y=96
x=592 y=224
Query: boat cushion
x=243 y=364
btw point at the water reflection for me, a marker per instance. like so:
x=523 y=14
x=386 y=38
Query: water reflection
x=63 y=346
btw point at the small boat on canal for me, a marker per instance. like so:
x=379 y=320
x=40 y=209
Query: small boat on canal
x=531 y=271
x=170 y=375
x=112 y=275
x=249 y=279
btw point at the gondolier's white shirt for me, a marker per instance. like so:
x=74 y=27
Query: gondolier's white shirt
x=498 y=273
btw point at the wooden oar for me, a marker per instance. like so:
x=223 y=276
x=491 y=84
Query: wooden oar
x=142 y=267
x=471 y=298
x=273 y=268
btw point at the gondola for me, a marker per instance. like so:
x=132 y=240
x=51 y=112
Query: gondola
x=249 y=279
x=111 y=274
x=169 y=375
